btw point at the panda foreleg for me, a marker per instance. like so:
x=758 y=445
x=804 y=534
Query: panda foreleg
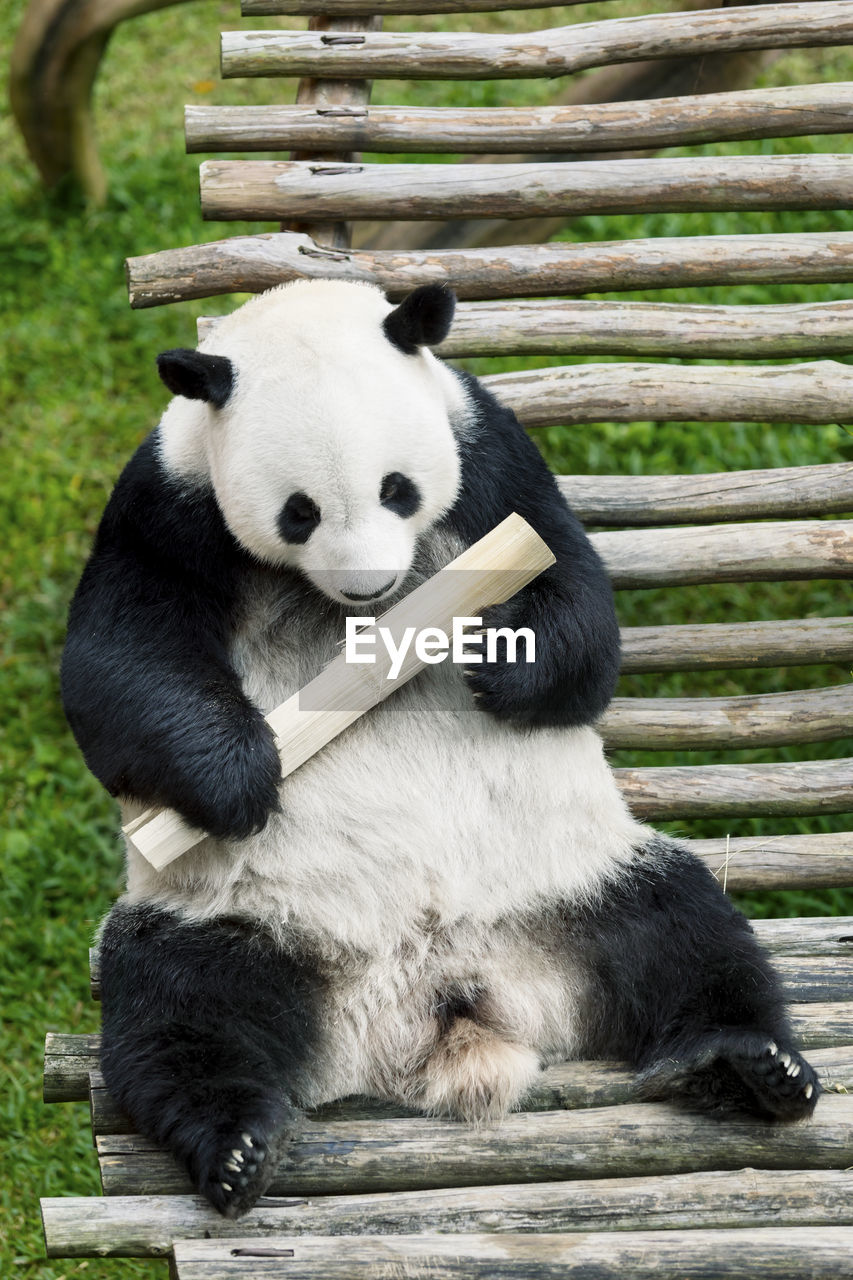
x=681 y=988
x=208 y=1034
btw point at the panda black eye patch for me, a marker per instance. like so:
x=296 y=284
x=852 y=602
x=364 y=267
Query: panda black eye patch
x=399 y=494
x=298 y=518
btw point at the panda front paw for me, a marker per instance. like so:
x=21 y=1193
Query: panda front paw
x=238 y=1173
x=235 y=788
x=508 y=686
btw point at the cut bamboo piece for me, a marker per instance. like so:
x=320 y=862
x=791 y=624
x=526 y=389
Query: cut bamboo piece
x=764 y=1253
x=276 y=189
x=641 y=329
x=254 y=263
x=789 y=111
x=147 y=1226
x=787 y=492
x=333 y=1157
x=752 y=720
x=487 y=573
x=560 y=51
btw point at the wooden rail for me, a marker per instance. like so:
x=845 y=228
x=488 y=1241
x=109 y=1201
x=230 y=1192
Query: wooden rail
x=818 y=392
x=737 y=790
x=767 y=551
x=729 y=724
x=642 y=329
x=276 y=189
x=343 y=8
x=635 y=1140
x=556 y=52
x=710 y=496
x=768 y=1253
x=145 y=1226
x=253 y=263
x=790 y=111
x=716 y=646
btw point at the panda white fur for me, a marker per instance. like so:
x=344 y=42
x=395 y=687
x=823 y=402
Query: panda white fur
x=453 y=893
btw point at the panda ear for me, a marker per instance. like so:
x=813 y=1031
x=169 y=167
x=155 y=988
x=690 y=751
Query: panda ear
x=196 y=375
x=421 y=320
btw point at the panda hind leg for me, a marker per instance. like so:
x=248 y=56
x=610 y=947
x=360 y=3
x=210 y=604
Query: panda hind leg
x=680 y=987
x=735 y=1070
x=207 y=1039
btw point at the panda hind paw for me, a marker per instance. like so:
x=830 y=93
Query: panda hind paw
x=783 y=1082
x=243 y=1167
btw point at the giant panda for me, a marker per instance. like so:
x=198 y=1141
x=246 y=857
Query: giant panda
x=453 y=893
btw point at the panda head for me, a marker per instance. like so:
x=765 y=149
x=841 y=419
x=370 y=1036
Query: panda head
x=326 y=427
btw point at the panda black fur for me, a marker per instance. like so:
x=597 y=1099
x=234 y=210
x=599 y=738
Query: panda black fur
x=453 y=893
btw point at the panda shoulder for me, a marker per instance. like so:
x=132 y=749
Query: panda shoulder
x=163 y=518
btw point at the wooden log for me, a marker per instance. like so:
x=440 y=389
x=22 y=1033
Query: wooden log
x=72 y=1062
x=761 y=552
x=719 y=646
x=336 y=1157
x=806 y=935
x=489 y=572
x=736 y=790
x=641 y=329
x=790 y=111
x=821 y=391
x=767 y=1253
x=56 y=57
x=276 y=189
x=336 y=95
x=271 y=8
x=750 y=720
x=823 y=861
x=253 y=263
x=711 y=496
x=455 y=55
x=147 y=1226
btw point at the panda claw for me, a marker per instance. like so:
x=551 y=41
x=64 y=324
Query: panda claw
x=226 y=1186
x=772 y=1048
x=232 y=1166
x=785 y=1059
x=238 y=1155
x=247 y=1139
x=809 y=1090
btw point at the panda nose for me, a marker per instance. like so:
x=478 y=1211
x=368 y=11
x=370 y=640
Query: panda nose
x=369 y=595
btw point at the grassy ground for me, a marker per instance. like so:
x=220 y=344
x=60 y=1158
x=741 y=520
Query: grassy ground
x=79 y=392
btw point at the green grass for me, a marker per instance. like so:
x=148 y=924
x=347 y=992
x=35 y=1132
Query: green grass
x=79 y=391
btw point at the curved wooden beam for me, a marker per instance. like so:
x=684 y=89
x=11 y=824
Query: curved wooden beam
x=556 y=52
x=54 y=63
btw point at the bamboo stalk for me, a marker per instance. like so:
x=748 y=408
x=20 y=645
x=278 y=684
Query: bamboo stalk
x=336 y=1157
x=641 y=329
x=487 y=573
x=782 y=112
x=751 y=720
x=276 y=189
x=146 y=1226
x=253 y=263
x=787 y=492
x=556 y=52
